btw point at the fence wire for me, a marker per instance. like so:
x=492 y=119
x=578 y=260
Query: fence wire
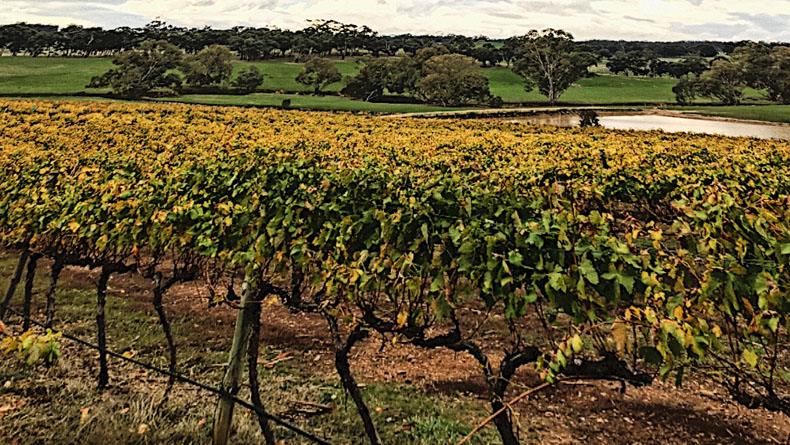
x=184 y=379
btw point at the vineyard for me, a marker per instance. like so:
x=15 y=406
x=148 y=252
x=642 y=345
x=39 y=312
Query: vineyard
x=624 y=256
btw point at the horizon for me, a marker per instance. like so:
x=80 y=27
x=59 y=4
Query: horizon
x=644 y=20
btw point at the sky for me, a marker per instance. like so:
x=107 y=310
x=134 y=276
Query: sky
x=662 y=20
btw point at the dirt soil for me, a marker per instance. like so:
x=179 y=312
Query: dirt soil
x=567 y=413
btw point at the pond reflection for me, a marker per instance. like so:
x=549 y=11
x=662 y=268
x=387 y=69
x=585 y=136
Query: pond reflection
x=667 y=123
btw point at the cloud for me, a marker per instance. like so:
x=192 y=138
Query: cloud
x=614 y=19
x=637 y=19
x=714 y=31
x=774 y=23
x=106 y=13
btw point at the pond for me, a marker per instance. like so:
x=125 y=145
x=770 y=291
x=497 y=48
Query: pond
x=667 y=123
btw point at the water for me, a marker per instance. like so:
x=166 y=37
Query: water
x=669 y=124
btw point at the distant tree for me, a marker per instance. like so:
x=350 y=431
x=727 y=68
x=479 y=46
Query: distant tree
x=453 y=80
x=142 y=70
x=694 y=64
x=705 y=50
x=686 y=91
x=372 y=80
x=776 y=78
x=638 y=63
x=253 y=43
x=766 y=69
x=423 y=54
x=318 y=74
x=211 y=66
x=551 y=61
x=725 y=81
x=487 y=54
x=248 y=79
x=404 y=73
x=24 y=38
x=512 y=49
x=618 y=63
x=458 y=44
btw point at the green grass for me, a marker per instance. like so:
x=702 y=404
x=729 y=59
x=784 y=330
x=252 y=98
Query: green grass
x=306 y=102
x=49 y=75
x=603 y=89
x=770 y=113
x=58 y=76
x=281 y=75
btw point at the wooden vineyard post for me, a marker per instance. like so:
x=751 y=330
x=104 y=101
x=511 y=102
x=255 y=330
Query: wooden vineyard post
x=232 y=381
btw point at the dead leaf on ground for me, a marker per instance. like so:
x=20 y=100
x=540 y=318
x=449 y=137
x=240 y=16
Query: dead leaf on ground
x=130 y=353
x=85 y=414
x=142 y=430
x=9 y=407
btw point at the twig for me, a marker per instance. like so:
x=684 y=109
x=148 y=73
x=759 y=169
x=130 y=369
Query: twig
x=501 y=410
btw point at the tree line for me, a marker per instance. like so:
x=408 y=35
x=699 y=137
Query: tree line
x=753 y=65
x=321 y=38
x=547 y=60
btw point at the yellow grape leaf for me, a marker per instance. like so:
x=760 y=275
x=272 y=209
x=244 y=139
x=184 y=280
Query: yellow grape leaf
x=678 y=312
x=750 y=357
x=620 y=336
x=576 y=343
x=403 y=317
x=272 y=300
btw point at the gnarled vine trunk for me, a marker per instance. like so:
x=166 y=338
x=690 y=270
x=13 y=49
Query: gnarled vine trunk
x=20 y=268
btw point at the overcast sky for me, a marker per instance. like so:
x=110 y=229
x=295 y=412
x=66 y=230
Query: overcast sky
x=609 y=19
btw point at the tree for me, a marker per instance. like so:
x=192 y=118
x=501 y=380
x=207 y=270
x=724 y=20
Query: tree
x=371 y=81
x=211 y=66
x=486 y=54
x=453 y=80
x=686 y=91
x=423 y=54
x=766 y=68
x=142 y=70
x=694 y=64
x=551 y=62
x=725 y=81
x=318 y=74
x=639 y=63
x=248 y=79
x=22 y=37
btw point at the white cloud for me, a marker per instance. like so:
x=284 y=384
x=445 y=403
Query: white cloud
x=614 y=19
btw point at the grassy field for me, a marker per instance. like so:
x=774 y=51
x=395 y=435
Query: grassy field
x=281 y=75
x=46 y=77
x=770 y=113
x=603 y=89
x=49 y=75
x=57 y=75
x=304 y=102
